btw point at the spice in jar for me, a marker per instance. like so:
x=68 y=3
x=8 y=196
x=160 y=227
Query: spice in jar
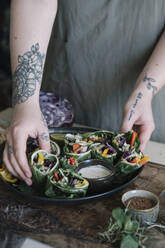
x=140 y=203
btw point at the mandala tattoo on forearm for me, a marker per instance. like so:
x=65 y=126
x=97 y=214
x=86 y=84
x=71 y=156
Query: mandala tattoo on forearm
x=27 y=74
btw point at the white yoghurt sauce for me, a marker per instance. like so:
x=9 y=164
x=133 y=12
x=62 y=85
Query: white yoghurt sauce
x=95 y=171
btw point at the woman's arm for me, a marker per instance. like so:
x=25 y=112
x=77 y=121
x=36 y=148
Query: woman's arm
x=138 y=108
x=30 y=30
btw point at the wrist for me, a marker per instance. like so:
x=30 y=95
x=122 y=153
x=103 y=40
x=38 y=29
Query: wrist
x=28 y=106
x=147 y=84
x=19 y=101
x=140 y=98
x=143 y=92
x=25 y=95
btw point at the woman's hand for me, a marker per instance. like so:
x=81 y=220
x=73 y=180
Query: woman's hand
x=138 y=116
x=27 y=122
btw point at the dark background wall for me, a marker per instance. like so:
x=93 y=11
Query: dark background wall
x=5 y=73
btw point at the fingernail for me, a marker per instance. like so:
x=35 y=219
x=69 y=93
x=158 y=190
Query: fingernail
x=28 y=181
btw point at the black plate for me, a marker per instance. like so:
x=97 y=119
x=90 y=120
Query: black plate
x=114 y=188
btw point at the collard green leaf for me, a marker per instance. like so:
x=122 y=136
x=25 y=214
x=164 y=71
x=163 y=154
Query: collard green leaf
x=80 y=157
x=100 y=135
x=51 y=191
x=67 y=185
x=55 y=149
x=137 y=140
x=29 y=190
x=72 y=191
x=58 y=138
x=98 y=156
x=39 y=168
x=37 y=175
x=125 y=168
x=65 y=164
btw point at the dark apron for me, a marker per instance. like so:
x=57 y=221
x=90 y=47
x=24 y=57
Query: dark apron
x=97 y=50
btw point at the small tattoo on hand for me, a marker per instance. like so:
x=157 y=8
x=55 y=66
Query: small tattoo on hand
x=132 y=112
x=10 y=150
x=44 y=136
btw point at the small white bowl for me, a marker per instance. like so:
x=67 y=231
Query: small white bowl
x=146 y=215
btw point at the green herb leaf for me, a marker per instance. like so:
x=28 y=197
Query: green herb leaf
x=124 y=229
x=119 y=215
x=130 y=226
x=128 y=242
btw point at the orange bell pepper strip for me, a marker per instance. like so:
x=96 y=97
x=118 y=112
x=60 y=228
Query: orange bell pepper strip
x=75 y=147
x=134 y=160
x=56 y=176
x=134 y=135
x=144 y=160
x=140 y=161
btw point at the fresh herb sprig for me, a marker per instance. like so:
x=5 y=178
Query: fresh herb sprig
x=123 y=229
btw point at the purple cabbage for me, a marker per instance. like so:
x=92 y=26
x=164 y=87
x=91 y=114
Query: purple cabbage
x=122 y=141
x=128 y=153
x=57 y=110
x=111 y=149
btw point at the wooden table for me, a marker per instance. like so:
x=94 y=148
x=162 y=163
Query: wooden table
x=73 y=226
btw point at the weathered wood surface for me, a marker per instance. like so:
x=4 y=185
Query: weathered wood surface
x=77 y=225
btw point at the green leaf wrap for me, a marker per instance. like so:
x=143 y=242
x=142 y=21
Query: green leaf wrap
x=101 y=134
x=55 y=149
x=66 y=165
x=96 y=155
x=137 y=140
x=54 y=188
x=80 y=157
x=97 y=150
x=125 y=168
x=39 y=176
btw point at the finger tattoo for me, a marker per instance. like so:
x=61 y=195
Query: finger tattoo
x=10 y=150
x=44 y=136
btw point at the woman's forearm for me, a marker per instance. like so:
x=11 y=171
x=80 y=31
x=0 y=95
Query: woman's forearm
x=30 y=30
x=138 y=108
x=152 y=78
